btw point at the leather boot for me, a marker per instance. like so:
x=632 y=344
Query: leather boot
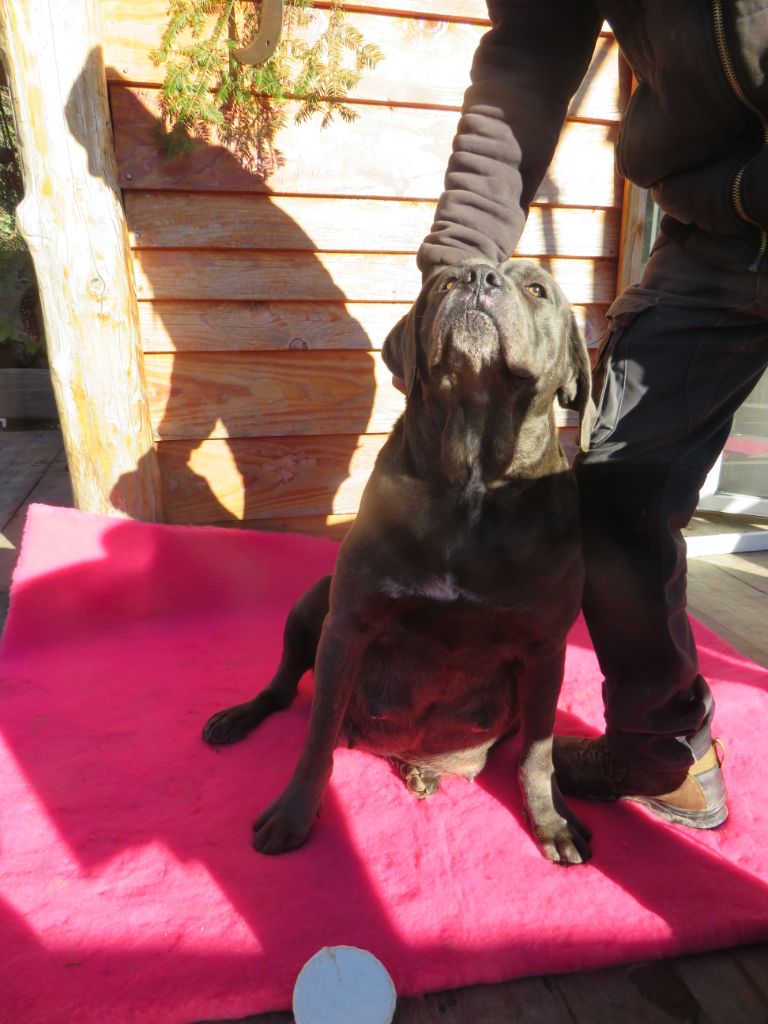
x=693 y=796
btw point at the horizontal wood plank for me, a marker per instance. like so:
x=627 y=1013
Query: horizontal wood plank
x=285 y=276
x=170 y=326
x=216 y=395
x=259 y=478
x=271 y=394
x=464 y=10
x=461 y=10
x=388 y=152
x=131 y=14
x=267 y=478
x=332 y=527
x=173 y=326
x=181 y=220
x=426 y=61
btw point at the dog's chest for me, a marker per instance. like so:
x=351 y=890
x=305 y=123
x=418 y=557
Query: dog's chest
x=439 y=677
x=495 y=576
x=441 y=587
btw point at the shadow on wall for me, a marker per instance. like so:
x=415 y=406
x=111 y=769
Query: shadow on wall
x=261 y=378
x=263 y=392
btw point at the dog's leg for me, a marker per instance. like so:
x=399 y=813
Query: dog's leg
x=300 y=639
x=286 y=824
x=560 y=835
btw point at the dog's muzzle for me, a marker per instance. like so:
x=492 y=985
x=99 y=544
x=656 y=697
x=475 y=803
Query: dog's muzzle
x=473 y=334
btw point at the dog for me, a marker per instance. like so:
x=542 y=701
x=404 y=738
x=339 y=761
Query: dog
x=443 y=627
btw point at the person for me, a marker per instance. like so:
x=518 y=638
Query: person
x=686 y=345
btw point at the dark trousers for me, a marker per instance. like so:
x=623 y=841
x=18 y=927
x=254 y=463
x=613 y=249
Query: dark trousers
x=686 y=347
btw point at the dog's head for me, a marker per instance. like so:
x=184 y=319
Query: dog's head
x=478 y=323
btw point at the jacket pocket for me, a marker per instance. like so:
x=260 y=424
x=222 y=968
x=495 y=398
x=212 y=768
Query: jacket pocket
x=703 y=197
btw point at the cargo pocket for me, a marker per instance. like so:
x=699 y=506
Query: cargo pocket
x=609 y=374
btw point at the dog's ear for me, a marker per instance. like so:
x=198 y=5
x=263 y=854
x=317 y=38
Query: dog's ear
x=399 y=349
x=575 y=392
x=401 y=345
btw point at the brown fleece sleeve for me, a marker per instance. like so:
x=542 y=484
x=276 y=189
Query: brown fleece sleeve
x=524 y=73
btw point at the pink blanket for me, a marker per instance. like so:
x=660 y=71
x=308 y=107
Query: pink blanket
x=129 y=889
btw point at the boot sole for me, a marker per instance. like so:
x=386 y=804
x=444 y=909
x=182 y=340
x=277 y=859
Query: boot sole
x=710 y=818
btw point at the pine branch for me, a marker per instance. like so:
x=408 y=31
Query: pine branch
x=206 y=89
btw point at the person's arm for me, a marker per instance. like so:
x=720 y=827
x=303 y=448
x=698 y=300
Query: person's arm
x=524 y=73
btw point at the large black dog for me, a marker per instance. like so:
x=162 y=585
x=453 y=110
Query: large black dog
x=443 y=627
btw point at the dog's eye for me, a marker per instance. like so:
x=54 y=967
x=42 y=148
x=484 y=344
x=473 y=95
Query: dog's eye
x=536 y=290
x=448 y=283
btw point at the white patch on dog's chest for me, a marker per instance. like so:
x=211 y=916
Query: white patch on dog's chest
x=436 y=588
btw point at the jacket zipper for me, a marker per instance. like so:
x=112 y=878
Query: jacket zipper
x=738 y=91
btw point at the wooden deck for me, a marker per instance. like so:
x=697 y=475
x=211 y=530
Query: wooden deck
x=728 y=593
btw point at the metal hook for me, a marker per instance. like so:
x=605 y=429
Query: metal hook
x=263 y=44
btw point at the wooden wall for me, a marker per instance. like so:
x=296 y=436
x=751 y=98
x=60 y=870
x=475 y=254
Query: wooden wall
x=265 y=294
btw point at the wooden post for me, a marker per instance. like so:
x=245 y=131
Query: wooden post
x=631 y=243
x=72 y=220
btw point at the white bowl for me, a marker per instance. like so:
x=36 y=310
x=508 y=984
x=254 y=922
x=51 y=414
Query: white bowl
x=344 y=985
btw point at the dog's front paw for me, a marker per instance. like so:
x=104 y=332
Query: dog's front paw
x=563 y=840
x=561 y=836
x=232 y=724
x=285 y=825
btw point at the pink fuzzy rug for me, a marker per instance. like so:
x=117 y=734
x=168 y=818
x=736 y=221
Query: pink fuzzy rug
x=129 y=888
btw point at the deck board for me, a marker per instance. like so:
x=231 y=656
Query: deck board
x=23 y=463
x=726 y=993
x=32 y=469
x=729 y=986
x=722 y=596
x=753 y=570
x=634 y=994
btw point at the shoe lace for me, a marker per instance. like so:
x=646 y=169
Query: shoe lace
x=720 y=750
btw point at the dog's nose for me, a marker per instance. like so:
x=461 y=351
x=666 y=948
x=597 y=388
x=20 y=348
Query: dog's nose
x=482 y=277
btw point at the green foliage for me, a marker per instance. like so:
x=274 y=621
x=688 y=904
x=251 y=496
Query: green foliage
x=11 y=188
x=205 y=88
x=21 y=338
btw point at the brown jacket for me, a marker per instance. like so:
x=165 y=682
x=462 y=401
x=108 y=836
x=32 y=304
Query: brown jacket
x=695 y=130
